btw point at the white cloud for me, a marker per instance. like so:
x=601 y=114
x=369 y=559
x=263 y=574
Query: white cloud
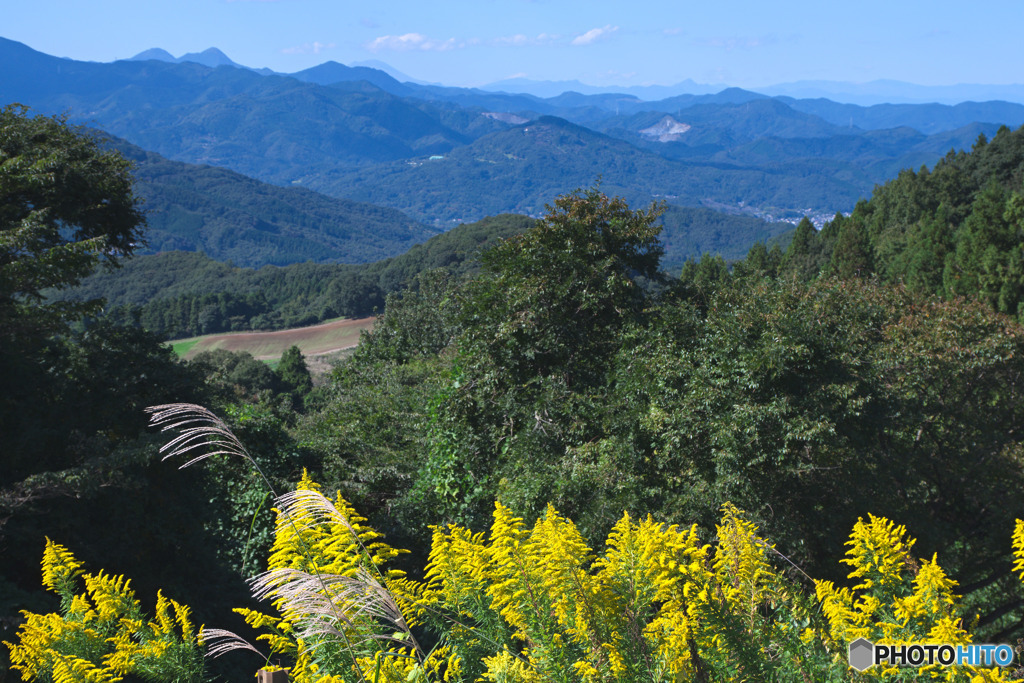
x=519 y=40
x=309 y=48
x=516 y=40
x=594 y=35
x=411 y=41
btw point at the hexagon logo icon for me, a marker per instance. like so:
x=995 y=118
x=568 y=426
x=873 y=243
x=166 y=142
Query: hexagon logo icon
x=862 y=654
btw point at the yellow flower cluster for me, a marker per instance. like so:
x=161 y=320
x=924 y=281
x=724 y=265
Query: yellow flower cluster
x=896 y=602
x=102 y=635
x=339 y=544
x=1018 y=548
x=524 y=604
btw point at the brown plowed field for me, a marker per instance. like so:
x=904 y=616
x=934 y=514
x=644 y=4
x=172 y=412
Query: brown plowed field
x=312 y=341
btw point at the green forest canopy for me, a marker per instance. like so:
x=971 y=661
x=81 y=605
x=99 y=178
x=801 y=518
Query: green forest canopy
x=809 y=387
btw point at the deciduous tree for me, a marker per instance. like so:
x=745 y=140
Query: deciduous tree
x=65 y=205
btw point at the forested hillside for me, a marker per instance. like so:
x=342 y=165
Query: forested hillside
x=954 y=230
x=533 y=162
x=183 y=294
x=724 y=431
x=230 y=217
x=179 y=294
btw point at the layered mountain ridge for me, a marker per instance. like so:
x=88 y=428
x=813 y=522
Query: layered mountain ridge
x=446 y=155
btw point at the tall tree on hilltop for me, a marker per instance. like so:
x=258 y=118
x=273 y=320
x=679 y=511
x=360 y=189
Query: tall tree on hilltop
x=539 y=329
x=560 y=289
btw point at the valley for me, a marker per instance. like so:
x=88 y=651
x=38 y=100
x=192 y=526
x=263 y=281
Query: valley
x=359 y=134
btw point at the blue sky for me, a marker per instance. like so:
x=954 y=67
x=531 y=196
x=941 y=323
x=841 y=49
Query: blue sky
x=601 y=42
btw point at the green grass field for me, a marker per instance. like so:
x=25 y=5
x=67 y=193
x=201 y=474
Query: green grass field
x=328 y=337
x=184 y=346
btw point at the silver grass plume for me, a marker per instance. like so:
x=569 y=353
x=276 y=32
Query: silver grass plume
x=349 y=607
x=219 y=641
x=311 y=508
x=324 y=601
x=321 y=602
x=202 y=434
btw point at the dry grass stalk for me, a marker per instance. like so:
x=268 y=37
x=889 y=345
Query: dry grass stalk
x=219 y=641
x=325 y=604
x=200 y=430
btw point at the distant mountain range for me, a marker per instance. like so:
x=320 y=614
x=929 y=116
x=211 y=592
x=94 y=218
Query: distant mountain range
x=876 y=92
x=524 y=167
x=863 y=94
x=445 y=155
x=896 y=92
x=641 y=92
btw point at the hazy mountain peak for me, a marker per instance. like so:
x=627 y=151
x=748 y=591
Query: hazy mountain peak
x=391 y=71
x=154 y=53
x=331 y=73
x=211 y=57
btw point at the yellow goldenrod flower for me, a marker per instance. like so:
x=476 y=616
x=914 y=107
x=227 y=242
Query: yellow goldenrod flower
x=101 y=634
x=1018 y=548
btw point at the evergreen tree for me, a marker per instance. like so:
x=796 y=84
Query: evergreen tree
x=802 y=258
x=982 y=247
x=701 y=279
x=929 y=244
x=851 y=256
x=1011 y=292
x=757 y=261
x=293 y=372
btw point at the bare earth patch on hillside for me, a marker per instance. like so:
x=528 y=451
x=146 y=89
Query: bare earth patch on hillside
x=312 y=341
